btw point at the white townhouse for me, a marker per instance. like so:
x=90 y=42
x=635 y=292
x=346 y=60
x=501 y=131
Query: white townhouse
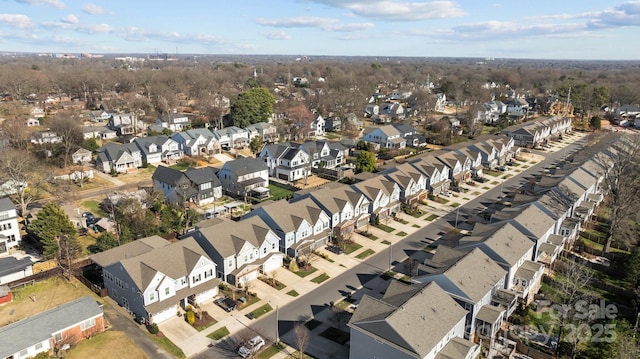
x=9 y=226
x=197 y=142
x=383 y=196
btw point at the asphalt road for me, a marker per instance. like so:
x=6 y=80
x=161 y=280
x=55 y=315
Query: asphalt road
x=316 y=301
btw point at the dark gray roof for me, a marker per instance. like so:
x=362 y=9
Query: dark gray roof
x=202 y=175
x=40 y=327
x=9 y=265
x=167 y=175
x=131 y=249
x=6 y=204
x=243 y=166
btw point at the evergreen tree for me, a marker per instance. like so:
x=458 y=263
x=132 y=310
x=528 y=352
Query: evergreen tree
x=55 y=231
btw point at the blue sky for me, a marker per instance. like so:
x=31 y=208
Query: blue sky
x=560 y=29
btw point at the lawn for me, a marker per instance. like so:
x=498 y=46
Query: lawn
x=321 y=278
x=385 y=242
x=42 y=296
x=219 y=334
x=293 y=293
x=599 y=247
x=388 y=275
x=205 y=322
x=336 y=335
x=183 y=165
x=431 y=217
x=369 y=235
x=455 y=204
x=271 y=350
x=385 y=228
x=417 y=214
x=110 y=344
x=351 y=247
x=441 y=200
x=401 y=234
x=365 y=254
x=303 y=273
x=274 y=283
x=166 y=344
x=85 y=241
x=415 y=226
x=93 y=206
x=261 y=311
x=279 y=192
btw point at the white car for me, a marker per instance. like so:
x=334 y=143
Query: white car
x=251 y=347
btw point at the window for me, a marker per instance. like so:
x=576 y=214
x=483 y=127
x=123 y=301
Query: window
x=230 y=262
x=38 y=346
x=167 y=290
x=196 y=278
x=208 y=273
x=264 y=250
x=251 y=256
x=273 y=246
x=57 y=337
x=88 y=324
x=152 y=296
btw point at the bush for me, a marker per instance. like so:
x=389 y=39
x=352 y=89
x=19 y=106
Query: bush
x=222 y=286
x=191 y=317
x=293 y=266
x=153 y=328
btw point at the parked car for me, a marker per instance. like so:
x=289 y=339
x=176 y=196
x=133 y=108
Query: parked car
x=334 y=249
x=446 y=193
x=251 y=347
x=90 y=218
x=501 y=168
x=226 y=303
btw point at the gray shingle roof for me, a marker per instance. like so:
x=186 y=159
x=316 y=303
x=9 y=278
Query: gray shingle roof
x=409 y=324
x=202 y=175
x=6 y=204
x=243 y=166
x=228 y=238
x=128 y=250
x=40 y=327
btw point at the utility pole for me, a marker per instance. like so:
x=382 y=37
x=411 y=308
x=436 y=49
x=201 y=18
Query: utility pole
x=457 y=213
x=277 y=334
x=390 y=256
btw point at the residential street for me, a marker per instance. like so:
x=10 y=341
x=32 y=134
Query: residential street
x=365 y=276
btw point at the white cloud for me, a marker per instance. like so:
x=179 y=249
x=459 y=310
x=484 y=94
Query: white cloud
x=278 y=35
x=94 y=9
x=54 y=3
x=133 y=33
x=83 y=28
x=70 y=19
x=393 y=10
x=15 y=20
x=324 y=23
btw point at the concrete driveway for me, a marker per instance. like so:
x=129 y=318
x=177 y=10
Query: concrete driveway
x=184 y=335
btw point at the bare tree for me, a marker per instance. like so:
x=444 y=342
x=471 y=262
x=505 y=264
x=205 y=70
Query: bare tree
x=301 y=333
x=67 y=127
x=28 y=176
x=411 y=266
x=339 y=317
x=619 y=165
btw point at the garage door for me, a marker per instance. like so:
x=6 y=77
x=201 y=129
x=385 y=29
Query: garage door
x=249 y=276
x=272 y=263
x=165 y=314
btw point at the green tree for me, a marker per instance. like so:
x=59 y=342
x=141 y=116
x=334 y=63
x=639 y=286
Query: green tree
x=595 y=123
x=105 y=241
x=256 y=144
x=366 y=162
x=252 y=106
x=632 y=267
x=601 y=96
x=55 y=231
x=90 y=144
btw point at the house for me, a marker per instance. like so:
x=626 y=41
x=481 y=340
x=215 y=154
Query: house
x=394 y=110
x=324 y=154
x=267 y=131
x=13 y=268
x=245 y=177
x=412 y=183
x=441 y=102
x=301 y=226
x=333 y=124
x=37 y=112
x=118 y=157
x=45 y=137
x=286 y=161
x=10 y=187
x=232 y=137
x=475 y=157
x=195 y=185
x=491 y=111
x=383 y=196
x=82 y=156
x=9 y=227
x=436 y=173
x=317 y=127
x=125 y=124
x=99 y=116
x=348 y=210
x=488 y=154
x=371 y=110
x=45 y=332
x=153 y=285
x=241 y=251
x=459 y=167
x=402 y=325
x=32 y=122
x=156 y=149
x=98 y=132
x=386 y=136
x=130 y=249
x=174 y=122
x=197 y=142
x=472 y=281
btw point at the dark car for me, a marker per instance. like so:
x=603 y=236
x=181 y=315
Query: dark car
x=90 y=218
x=226 y=303
x=334 y=249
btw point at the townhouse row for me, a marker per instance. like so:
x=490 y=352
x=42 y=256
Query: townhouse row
x=470 y=287
x=152 y=277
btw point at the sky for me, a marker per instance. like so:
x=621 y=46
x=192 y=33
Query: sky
x=559 y=29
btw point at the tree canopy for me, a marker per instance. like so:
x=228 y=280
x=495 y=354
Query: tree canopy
x=366 y=162
x=252 y=106
x=54 y=230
